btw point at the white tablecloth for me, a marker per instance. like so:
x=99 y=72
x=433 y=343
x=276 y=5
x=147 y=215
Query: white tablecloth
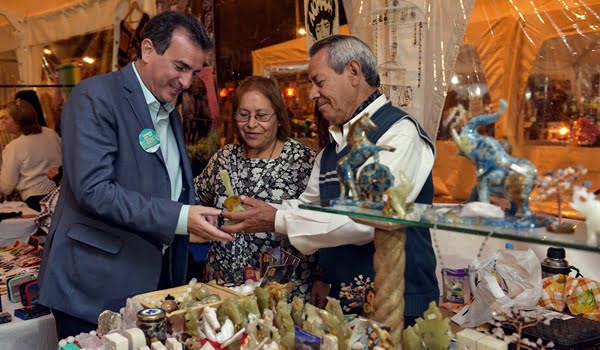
x=17 y=228
x=38 y=333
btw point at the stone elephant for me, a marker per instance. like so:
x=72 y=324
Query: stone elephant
x=498 y=173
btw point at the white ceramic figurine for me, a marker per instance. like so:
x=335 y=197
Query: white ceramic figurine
x=586 y=203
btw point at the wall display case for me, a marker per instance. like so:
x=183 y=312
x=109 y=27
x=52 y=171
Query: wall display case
x=562 y=96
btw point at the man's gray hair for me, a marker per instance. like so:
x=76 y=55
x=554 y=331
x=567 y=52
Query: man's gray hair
x=342 y=49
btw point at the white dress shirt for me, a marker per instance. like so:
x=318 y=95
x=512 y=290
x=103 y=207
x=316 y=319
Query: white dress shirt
x=168 y=147
x=310 y=230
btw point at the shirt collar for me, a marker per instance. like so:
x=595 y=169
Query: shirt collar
x=371 y=105
x=366 y=103
x=151 y=100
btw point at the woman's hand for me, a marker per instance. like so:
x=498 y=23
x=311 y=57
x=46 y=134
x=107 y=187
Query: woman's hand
x=259 y=216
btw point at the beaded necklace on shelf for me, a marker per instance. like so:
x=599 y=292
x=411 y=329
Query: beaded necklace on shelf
x=420 y=56
x=436 y=247
x=380 y=20
x=394 y=28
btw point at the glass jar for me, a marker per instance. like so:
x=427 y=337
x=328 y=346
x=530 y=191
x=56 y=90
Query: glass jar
x=153 y=322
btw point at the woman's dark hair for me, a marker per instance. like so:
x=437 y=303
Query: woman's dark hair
x=32 y=97
x=24 y=115
x=160 y=31
x=271 y=91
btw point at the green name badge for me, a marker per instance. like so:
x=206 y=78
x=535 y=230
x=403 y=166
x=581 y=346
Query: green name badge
x=149 y=140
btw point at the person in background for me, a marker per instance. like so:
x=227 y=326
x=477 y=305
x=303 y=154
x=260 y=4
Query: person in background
x=32 y=97
x=124 y=210
x=27 y=159
x=5 y=136
x=345 y=86
x=48 y=203
x=266 y=164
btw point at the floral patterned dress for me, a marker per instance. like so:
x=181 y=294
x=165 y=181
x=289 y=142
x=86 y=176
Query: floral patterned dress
x=272 y=181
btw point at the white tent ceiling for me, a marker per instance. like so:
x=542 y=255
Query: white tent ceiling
x=30 y=8
x=35 y=22
x=27 y=25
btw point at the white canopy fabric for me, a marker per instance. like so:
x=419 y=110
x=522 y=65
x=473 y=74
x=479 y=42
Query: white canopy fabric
x=506 y=35
x=508 y=38
x=29 y=25
x=288 y=53
x=427 y=48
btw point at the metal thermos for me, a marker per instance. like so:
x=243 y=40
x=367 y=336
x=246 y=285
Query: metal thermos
x=556 y=263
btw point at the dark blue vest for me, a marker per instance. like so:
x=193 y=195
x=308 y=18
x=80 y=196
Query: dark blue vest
x=343 y=265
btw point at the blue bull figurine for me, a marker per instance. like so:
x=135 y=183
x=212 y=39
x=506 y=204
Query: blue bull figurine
x=498 y=173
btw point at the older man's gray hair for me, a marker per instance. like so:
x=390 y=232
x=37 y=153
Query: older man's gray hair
x=342 y=49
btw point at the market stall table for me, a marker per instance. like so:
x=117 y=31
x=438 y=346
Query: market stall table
x=389 y=256
x=19 y=228
x=38 y=333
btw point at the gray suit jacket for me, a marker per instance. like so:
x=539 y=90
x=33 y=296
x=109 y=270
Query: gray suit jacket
x=114 y=213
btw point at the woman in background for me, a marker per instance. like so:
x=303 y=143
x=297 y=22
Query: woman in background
x=266 y=164
x=31 y=97
x=27 y=159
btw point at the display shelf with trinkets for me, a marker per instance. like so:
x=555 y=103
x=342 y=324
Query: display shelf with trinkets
x=389 y=240
x=540 y=235
x=265 y=319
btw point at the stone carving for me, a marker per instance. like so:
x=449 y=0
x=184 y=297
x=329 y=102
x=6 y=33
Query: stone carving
x=586 y=203
x=394 y=199
x=498 y=173
x=375 y=177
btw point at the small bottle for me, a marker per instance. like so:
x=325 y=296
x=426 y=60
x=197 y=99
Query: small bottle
x=555 y=263
x=153 y=322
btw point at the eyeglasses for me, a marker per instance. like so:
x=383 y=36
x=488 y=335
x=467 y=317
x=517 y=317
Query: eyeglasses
x=259 y=116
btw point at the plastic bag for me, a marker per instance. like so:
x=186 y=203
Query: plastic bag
x=507 y=278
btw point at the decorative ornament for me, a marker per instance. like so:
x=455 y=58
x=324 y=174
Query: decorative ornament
x=430 y=331
x=519 y=318
x=420 y=56
x=498 y=173
x=586 y=131
x=586 y=203
x=558 y=183
x=415 y=34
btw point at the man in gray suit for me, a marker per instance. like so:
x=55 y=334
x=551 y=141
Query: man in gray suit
x=121 y=224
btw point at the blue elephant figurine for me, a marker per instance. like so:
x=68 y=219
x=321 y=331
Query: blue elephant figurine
x=498 y=173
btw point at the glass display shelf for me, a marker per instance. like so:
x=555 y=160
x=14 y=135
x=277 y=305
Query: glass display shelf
x=539 y=235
